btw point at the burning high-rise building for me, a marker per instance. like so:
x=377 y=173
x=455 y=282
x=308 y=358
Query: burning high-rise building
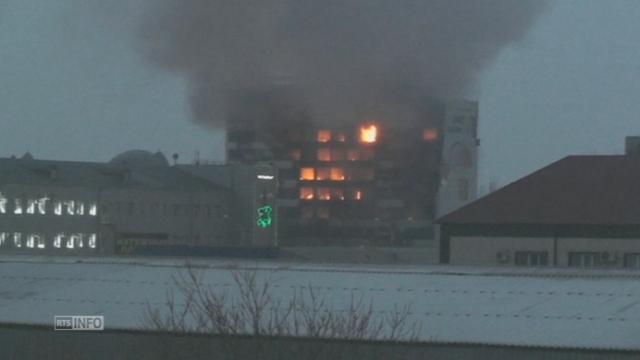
x=359 y=147
x=379 y=177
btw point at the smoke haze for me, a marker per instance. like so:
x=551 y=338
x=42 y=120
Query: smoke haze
x=343 y=56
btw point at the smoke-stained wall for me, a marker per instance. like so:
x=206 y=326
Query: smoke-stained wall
x=345 y=57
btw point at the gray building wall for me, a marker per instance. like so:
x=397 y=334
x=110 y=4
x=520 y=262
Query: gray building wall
x=136 y=199
x=184 y=217
x=501 y=250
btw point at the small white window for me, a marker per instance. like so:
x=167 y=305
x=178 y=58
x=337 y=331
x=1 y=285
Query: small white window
x=71 y=240
x=57 y=208
x=3 y=204
x=31 y=241
x=92 y=241
x=80 y=240
x=57 y=240
x=71 y=207
x=93 y=209
x=31 y=206
x=18 y=207
x=3 y=238
x=79 y=208
x=42 y=205
x=17 y=239
x=40 y=241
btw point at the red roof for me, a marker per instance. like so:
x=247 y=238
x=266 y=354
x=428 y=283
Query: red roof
x=574 y=190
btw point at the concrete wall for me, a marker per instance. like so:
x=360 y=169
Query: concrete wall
x=28 y=342
x=476 y=250
x=483 y=250
x=187 y=217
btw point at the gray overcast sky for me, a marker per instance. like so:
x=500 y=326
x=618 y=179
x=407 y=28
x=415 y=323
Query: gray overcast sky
x=73 y=87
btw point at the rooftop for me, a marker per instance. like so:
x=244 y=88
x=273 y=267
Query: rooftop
x=136 y=169
x=576 y=190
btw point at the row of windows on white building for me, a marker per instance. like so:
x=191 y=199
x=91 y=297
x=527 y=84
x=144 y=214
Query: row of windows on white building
x=39 y=206
x=39 y=241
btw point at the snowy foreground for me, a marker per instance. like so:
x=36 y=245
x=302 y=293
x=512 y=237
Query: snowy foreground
x=545 y=307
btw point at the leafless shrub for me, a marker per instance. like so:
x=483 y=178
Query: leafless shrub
x=251 y=307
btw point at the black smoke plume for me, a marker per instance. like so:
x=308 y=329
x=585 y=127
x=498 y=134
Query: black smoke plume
x=342 y=57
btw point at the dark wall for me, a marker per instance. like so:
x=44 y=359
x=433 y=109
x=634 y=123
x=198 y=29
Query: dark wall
x=533 y=230
x=28 y=342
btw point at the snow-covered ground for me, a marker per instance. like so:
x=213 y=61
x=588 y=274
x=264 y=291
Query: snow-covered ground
x=539 y=307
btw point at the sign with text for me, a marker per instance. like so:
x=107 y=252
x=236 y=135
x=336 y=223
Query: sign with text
x=79 y=322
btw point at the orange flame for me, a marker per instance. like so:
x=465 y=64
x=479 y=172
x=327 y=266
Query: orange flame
x=430 y=134
x=368 y=133
x=306 y=193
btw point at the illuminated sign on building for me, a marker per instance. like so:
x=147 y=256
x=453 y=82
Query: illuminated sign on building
x=264 y=216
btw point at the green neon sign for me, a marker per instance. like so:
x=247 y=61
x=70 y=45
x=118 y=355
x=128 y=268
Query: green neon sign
x=264 y=216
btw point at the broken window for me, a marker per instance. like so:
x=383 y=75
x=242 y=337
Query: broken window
x=296 y=155
x=306 y=213
x=353 y=155
x=323 y=194
x=324 y=136
x=337 y=194
x=361 y=174
x=307 y=173
x=430 y=134
x=341 y=137
x=324 y=155
x=367 y=154
x=337 y=174
x=322 y=213
x=323 y=174
x=337 y=154
x=356 y=194
x=306 y=193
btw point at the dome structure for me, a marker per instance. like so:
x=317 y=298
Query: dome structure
x=140 y=158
